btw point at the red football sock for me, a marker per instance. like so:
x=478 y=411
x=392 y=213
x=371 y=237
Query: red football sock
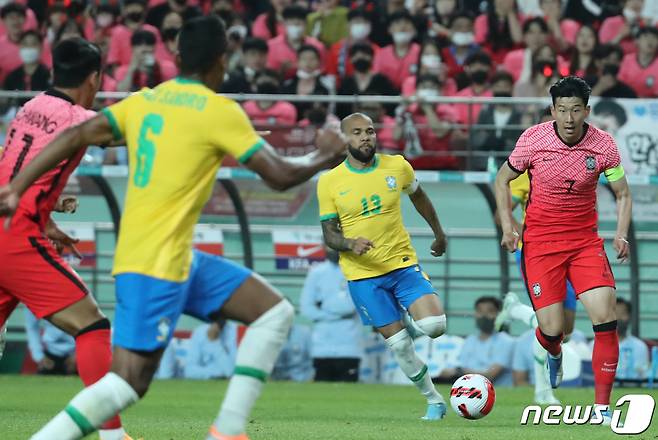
x=551 y=344
x=93 y=355
x=604 y=360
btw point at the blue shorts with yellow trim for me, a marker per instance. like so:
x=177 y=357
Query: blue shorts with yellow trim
x=379 y=299
x=148 y=308
x=570 y=302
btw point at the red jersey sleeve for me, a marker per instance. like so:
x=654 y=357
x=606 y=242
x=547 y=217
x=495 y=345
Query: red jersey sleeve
x=612 y=158
x=520 y=158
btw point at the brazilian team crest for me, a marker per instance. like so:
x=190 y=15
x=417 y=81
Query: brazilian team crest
x=590 y=163
x=391 y=182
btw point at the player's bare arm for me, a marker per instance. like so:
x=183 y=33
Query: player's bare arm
x=334 y=238
x=96 y=131
x=60 y=239
x=281 y=173
x=505 y=175
x=624 y=209
x=425 y=208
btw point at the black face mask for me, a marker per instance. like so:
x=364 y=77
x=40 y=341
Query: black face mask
x=362 y=65
x=361 y=156
x=622 y=328
x=135 y=17
x=479 y=76
x=180 y=2
x=268 y=88
x=486 y=325
x=610 y=69
x=502 y=95
x=333 y=256
x=546 y=68
x=170 y=33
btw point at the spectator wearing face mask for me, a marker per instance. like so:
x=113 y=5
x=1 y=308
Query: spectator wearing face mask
x=477 y=68
x=133 y=13
x=425 y=129
x=32 y=74
x=605 y=83
x=144 y=70
x=441 y=17
x=640 y=70
x=103 y=19
x=236 y=32
x=307 y=80
x=156 y=14
x=339 y=59
x=254 y=60
x=397 y=61
x=328 y=23
x=430 y=63
x=282 y=55
x=621 y=29
x=269 y=113
x=364 y=81
x=461 y=45
x=171 y=26
x=486 y=352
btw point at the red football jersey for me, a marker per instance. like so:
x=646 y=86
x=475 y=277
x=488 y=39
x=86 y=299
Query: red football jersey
x=563 y=179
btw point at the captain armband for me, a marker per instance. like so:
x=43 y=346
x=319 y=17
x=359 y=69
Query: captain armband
x=614 y=174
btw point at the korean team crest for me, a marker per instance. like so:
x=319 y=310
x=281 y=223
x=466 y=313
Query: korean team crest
x=590 y=163
x=391 y=182
x=536 y=289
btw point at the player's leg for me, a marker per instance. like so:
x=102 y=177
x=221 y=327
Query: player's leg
x=414 y=291
x=7 y=305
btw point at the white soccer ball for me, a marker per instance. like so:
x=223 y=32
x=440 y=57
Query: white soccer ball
x=472 y=396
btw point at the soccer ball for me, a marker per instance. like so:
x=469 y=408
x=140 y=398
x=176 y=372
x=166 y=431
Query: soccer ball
x=472 y=396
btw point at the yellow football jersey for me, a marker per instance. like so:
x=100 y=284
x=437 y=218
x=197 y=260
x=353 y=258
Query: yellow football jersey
x=520 y=189
x=367 y=204
x=177 y=135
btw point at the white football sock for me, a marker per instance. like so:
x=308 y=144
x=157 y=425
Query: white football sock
x=112 y=434
x=256 y=356
x=89 y=409
x=541 y=379
x=404 y=351
x=525 y=314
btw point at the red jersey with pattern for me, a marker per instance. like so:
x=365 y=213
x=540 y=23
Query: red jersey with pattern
x=38 y=122
x=563 y=179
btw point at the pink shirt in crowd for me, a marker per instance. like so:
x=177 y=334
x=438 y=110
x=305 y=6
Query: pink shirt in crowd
x=643 y=80
x=259 y=28
x=609 y=30
x=282 y=112
x=463 y=111
x=385 y=138
x=431 y=143
x=120 y=50
x=10 y=58
x=396 y=69
x=281 y=52
x=409 y=87
x=517 y=62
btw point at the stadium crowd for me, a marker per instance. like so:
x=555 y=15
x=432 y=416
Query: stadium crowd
x=418 y=49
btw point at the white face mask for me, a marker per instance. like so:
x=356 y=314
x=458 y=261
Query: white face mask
x=427 y=93
x=104 y=20
x=403 y=37
x=294 y=31
x=249 y=72
x=462 y=38
x=430 y=61
x=149 y=60
x=29 y=55
x=303 y=74
x=360 y=31
x=630 y=15
x=239 y=30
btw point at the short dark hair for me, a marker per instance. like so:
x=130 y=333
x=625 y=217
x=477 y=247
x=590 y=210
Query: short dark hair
x=400 y=15
x=294 y=11
x=143 y=3
x=647 y=30
x=361 y=47
x=201 y=41
x=461 y=14
x=74 y=59
x=478 y=57
x=496 y=302
x=269 y=73
x=611 y=107
x=142 y=37
x=502 y=75
x=308 y=48
x=571 y=87
x=426 y=77
x=625 y=302
x=12 y=7
x=255 y=44
x=538 y=21
x=31 y=33
x=359 y=13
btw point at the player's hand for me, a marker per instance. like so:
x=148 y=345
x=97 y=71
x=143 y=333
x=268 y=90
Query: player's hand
x=8 y=203
x=510 y=240
x=61 y=240
x=622 y=247
x=439 y=245
x=67 y=204
x=331 y=142
x=361 y=245
x=46 y=364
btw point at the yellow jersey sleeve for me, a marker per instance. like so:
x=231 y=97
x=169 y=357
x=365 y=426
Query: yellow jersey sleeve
x=118 y=115
x=232 y=132
x=409 y=183
x=325 y=201
x=520 y=187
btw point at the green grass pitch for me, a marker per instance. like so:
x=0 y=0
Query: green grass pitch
x=183 y=410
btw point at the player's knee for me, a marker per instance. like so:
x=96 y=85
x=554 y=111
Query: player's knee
x=279 y=317
x=433 y=326
x=101 y=324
